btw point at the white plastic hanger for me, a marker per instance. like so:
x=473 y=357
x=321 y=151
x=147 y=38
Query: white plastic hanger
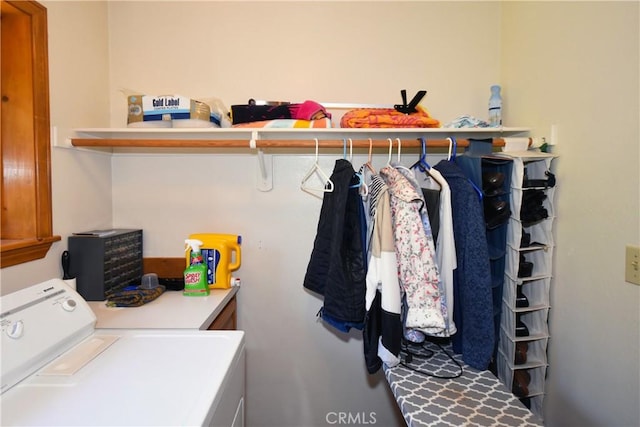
x=364 y=188
x=316 y=170
x=453 y=147
x=390 y=151
x=344 y=148
x=399 y=165
x=368 y=165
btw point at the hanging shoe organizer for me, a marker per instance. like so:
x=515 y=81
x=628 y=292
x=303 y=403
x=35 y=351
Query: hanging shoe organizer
x=524 y=332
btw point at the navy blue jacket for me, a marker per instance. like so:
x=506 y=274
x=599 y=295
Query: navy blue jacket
x=337 y=268
x=473 y=301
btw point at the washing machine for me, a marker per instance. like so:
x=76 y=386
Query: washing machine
x=58 y=370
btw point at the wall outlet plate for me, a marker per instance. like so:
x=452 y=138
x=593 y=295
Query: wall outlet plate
x=632 y=264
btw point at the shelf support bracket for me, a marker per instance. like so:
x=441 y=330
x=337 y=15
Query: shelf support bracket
x=265 y=166
x=265 y=171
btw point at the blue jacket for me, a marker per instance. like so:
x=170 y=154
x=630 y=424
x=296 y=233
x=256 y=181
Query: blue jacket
x=473 y=301
x=337 y=268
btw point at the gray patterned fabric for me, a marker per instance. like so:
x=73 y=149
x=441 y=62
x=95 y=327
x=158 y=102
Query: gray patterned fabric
x=477 y=398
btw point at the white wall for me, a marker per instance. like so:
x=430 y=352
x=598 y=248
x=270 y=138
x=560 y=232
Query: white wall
x=297 y=369
x=577 y=65
x=326 y=51
x=574 y=64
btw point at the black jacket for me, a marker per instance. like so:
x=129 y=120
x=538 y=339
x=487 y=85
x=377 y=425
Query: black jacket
x=337 y=268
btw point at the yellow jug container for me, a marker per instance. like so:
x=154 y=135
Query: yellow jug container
x=222 y=255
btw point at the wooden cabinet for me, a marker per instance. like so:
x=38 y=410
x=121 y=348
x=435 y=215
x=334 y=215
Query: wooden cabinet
x=226 y=320
x=27 y=231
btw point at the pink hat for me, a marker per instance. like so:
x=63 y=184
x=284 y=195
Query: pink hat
x=308 y=110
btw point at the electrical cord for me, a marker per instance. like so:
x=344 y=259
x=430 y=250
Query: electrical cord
x=425 y=353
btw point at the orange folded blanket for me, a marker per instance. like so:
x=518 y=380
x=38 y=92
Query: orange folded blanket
x=387 y=118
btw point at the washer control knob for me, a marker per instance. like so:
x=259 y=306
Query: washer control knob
x=15 y=329
x=69 y=304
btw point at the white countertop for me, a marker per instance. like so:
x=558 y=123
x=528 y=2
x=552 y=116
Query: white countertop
x=171 y=310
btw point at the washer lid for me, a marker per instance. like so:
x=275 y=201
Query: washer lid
x=145 y=377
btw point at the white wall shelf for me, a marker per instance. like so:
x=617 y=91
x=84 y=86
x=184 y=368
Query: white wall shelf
x=128 y=139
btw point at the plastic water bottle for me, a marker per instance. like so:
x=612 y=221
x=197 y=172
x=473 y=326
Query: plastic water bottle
x=495 y=107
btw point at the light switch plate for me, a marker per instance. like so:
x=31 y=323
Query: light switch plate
x=632 y=264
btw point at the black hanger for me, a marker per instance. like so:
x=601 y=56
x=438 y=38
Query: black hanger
x=411 y=107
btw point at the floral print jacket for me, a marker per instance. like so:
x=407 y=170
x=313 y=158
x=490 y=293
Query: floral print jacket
x=417 y=268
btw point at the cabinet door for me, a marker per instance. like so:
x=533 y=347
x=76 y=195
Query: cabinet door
x=27 y=226
x=226 y=320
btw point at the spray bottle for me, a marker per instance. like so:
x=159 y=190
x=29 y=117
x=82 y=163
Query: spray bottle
x=195 y=276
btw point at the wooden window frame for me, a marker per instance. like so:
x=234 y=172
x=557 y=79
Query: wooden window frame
x=27 y=225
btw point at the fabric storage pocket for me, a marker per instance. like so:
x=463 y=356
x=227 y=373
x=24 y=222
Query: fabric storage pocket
x=536 y=291
x=518 y=259
x=536 y=354
x=532 y=386
x=532 y=206
x=537 y=174
x=540 y=235
x=535 y=322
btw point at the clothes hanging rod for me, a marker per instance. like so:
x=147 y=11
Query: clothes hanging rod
x=271 y=143
x=280 y=138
